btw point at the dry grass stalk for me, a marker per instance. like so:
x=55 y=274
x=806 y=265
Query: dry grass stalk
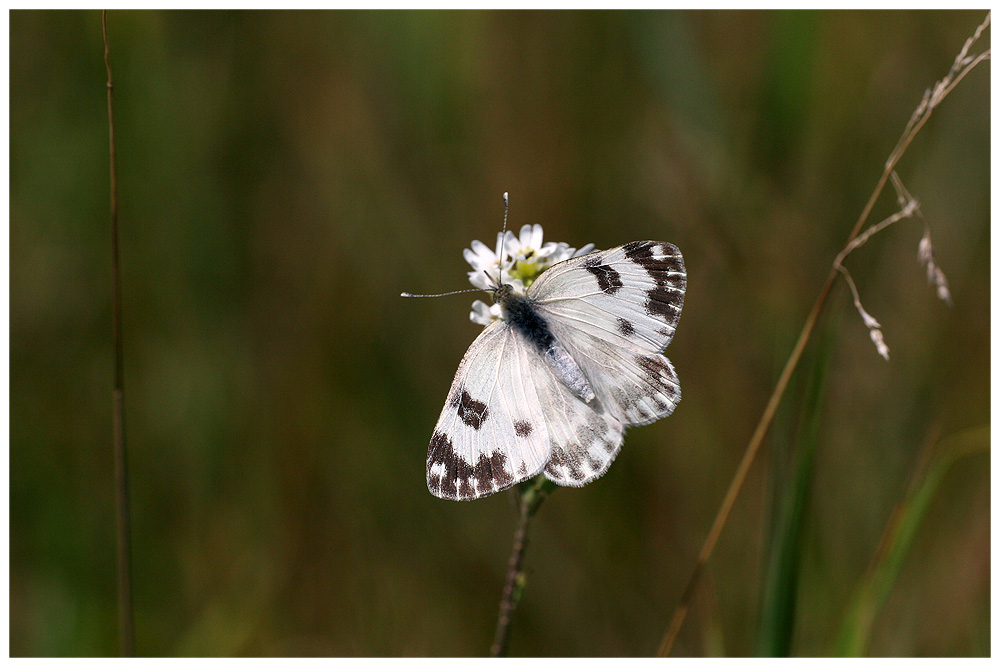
x=964 y=63
x=909 y=207
x=124 y=532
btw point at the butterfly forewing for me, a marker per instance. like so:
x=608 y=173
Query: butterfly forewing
x=491 y=433
x=629 y=296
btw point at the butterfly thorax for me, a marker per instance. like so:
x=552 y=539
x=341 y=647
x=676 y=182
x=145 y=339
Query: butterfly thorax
x=522 y=315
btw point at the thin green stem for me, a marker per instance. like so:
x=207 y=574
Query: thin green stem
x=125 y=617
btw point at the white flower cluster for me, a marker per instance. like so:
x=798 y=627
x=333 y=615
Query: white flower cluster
x=524 y=258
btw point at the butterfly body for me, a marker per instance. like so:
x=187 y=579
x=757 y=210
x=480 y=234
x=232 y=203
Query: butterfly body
x=552 y=385
x=521 y=314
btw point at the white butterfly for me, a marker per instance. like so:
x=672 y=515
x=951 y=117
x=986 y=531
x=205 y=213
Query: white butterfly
x=552 y=385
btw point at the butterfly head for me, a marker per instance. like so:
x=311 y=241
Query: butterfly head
x=509 y=268
x=503 y=293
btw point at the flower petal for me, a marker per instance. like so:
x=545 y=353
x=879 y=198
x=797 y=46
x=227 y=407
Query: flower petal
x=479 y=256
x=483 y=314
x=535 y=239
x=479 y=279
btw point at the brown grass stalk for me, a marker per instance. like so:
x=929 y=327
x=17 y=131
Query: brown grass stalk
x=125 y=616
x=963 y=64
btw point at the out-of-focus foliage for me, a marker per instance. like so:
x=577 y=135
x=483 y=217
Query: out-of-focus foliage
x=284 y=175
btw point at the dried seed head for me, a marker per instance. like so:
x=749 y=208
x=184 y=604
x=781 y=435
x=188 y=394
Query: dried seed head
x=935 y=276
x=880 y=346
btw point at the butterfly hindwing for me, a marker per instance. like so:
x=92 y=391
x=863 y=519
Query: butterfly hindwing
x=583 y=436
x=634 y=386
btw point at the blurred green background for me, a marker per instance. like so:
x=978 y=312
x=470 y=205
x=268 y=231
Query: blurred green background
x=284 y=175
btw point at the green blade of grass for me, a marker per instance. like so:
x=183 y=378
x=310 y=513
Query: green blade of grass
x=777 y=624
x=873 y=590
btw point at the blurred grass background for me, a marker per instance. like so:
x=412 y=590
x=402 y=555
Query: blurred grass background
x=284 y=175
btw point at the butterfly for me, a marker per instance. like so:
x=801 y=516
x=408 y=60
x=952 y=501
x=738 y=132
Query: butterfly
x=551 y=386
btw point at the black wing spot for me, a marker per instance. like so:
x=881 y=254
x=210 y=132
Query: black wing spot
x=665 y=303
x=660 y=376
x=490 y=472
x=655 y=367
x=472 y=412
x=665 y=266
x=563 y=459
x=523 y=428
x=625 y=327
x=664 y=259
x=609 y=280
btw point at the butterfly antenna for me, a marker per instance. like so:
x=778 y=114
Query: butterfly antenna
x=503 y=245
x=505 y=213
x=461 y=291
x=495 y=281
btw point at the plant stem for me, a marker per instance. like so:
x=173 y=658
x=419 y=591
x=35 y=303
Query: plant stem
x=935 y=462
x=741 y=472
x=125 y=619
x=777 y=622
x=961 y=67
x=530 y=499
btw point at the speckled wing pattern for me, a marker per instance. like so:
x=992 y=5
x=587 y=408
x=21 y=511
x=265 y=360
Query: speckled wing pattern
x=490 y=434
x=509 y=417
x=614 y=312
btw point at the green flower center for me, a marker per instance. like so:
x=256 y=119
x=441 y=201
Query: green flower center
x=527 y=271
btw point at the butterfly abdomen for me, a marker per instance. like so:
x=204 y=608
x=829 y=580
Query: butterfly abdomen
x=521 y=315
